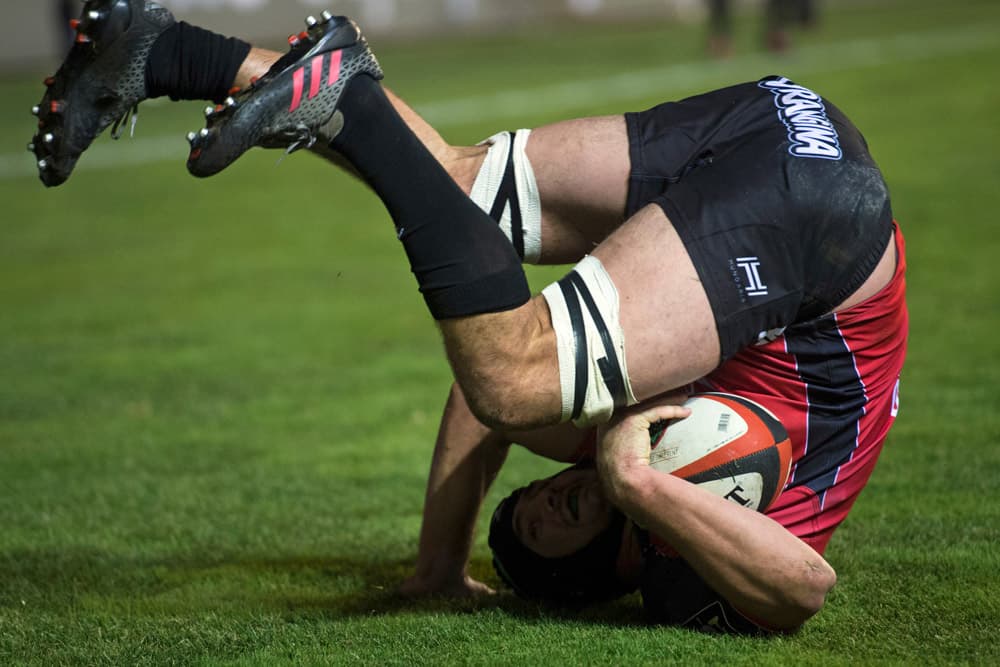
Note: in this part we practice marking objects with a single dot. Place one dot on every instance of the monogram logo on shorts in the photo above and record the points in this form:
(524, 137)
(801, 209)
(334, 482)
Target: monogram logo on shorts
(753, 286)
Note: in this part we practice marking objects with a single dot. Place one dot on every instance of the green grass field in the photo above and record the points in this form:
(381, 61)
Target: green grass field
(218, 398)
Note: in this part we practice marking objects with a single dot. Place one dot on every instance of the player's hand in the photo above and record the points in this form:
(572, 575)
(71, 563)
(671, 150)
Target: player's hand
(456, 587)
(623, 445)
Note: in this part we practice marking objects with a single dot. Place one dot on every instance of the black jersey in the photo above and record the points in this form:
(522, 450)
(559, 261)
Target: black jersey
(775, 196)
(674, 594)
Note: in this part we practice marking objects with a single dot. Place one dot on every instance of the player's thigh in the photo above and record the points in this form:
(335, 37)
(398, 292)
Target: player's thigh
(669, 327)
(582, 169)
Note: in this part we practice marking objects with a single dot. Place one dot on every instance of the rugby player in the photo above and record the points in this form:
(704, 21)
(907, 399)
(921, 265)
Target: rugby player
(741, 240)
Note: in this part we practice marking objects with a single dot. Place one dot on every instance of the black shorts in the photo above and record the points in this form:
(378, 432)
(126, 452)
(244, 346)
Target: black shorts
(774, 195)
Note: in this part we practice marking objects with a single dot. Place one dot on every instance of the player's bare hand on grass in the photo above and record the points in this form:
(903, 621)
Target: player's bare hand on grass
(456, 587)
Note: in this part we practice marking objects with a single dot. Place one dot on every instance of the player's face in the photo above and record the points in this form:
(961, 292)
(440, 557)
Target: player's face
(560, 515)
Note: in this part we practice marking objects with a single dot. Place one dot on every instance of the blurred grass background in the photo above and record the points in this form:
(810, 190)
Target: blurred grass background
(219, 398)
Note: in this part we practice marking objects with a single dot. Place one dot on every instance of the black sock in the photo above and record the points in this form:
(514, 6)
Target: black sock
(191, 63)
(463, 262)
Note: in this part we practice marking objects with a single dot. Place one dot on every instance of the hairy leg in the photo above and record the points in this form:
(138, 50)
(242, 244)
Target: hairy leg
(508, 362)
(581, 167)
(506, 357)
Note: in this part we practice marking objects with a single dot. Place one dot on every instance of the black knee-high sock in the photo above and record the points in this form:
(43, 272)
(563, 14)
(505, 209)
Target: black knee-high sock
(190, 63)
(463, 262)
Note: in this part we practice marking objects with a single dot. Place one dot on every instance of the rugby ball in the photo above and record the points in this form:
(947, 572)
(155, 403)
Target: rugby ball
(729, 445)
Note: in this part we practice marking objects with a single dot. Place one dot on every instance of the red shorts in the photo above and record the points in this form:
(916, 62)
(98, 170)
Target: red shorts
(834, 384)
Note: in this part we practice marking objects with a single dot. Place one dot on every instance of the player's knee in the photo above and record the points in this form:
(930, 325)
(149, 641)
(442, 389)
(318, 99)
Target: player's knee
(505, 367)
(499, 396)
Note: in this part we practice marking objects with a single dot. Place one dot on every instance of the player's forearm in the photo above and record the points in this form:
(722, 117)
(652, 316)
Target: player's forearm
(467, 457)
(761, 568)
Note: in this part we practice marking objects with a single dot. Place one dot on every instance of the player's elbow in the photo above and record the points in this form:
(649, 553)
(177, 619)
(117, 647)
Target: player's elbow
(821, 583)
(805, 597)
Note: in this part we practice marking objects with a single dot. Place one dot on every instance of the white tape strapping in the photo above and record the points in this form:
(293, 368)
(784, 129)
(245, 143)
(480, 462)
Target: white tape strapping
(506, 189)
(591, 344)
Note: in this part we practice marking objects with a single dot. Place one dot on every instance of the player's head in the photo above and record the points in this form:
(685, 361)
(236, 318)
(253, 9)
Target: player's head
(558, 539)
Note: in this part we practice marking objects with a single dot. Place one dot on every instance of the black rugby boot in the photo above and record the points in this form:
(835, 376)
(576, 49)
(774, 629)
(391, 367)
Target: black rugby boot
(100, 83)
(294, 105)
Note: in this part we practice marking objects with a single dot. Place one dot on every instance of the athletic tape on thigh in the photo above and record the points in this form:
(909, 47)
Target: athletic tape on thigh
(506, 189)
(591, 344)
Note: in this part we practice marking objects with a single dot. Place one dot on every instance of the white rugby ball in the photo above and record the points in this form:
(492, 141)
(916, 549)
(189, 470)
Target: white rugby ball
(729, 445)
